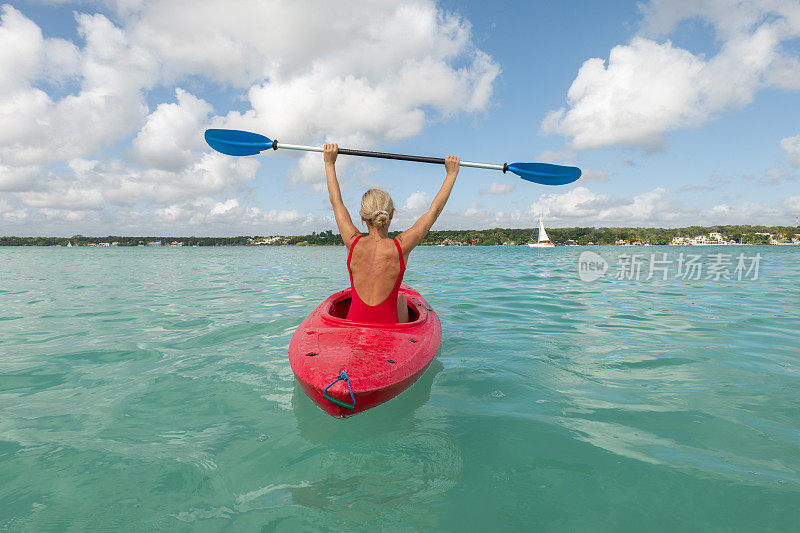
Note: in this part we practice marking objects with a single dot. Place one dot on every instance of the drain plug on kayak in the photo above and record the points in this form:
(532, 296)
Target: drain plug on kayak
(310, 354)
(413, 340)
(390, 361)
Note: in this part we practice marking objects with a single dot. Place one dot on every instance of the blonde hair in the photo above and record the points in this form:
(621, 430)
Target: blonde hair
(377, 207)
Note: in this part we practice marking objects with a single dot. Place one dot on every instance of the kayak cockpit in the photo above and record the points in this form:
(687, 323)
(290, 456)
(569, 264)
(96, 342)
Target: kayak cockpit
(339, 308)
(340, 305)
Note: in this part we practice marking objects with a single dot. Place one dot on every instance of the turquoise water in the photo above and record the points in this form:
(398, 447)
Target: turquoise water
(150, 389)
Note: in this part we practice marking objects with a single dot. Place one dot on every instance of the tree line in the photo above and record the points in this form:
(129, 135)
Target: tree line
(490, 237)
(81, 240)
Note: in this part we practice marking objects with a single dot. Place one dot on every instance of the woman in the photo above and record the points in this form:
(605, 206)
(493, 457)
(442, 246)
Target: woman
(376, 263)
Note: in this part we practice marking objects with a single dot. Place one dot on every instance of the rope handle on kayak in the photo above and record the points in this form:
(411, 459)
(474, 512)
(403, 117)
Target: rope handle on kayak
(340, 403)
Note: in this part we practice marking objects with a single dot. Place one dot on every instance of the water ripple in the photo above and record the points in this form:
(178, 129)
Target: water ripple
(150, 389)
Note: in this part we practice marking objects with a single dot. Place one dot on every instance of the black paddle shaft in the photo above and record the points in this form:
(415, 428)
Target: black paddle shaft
(386, 155)
(383, 155)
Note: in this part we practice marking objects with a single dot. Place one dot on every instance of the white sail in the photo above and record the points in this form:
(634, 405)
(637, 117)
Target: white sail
(544, 240)
(542, 233)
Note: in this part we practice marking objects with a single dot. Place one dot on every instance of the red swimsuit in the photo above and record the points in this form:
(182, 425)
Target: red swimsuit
(386, 311)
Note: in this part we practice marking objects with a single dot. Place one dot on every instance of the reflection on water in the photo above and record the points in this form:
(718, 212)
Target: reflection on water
(317, 427)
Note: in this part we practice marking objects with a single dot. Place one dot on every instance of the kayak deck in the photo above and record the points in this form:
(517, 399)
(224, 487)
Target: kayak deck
(379, 360)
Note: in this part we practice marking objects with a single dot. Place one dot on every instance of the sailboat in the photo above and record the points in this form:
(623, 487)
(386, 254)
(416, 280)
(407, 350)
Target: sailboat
(544, 240)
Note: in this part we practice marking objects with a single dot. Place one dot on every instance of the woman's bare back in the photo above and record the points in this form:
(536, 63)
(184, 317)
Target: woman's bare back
(375, 265)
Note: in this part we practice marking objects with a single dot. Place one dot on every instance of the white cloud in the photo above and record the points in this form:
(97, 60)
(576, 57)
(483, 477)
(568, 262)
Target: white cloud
(17, 178)
(721, 209)
(594, 175)
(747, 213)
(208, 214)
(648, 88)
(12, 215)
(358, 74)
(310, 170)
(569, 204)
(25, 56)
(325, 103)
(792, 205)
(581, 204)
(774, 175)
(248, 42)
(216, 216)
(171, 132)
(207, 211)
(583, 207)
(108, 106)
(791, 145)
(557, 157)
(199, 216)
(374, 74)
(417, 202)
(497, 188)
(474, 213)
(729, 18)
(94, 184)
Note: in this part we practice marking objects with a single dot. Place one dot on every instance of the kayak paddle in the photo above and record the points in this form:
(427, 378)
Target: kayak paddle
(237, 142)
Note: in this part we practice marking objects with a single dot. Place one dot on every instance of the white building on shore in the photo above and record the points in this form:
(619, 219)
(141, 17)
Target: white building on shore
(713, 238)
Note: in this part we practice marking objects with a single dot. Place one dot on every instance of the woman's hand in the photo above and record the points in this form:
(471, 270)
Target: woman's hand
(451, 165)
(330, 153)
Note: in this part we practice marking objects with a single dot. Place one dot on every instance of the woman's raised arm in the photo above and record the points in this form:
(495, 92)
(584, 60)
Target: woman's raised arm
(414, 235)
(347, 229)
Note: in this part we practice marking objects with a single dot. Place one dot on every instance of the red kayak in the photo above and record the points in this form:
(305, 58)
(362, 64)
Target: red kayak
(347, 367)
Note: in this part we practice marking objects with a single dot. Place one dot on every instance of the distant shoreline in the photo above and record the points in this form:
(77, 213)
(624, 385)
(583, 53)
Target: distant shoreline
(691, 235)
(425, 245)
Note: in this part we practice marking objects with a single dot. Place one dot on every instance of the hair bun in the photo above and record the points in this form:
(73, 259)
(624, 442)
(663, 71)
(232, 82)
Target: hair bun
(380, 217)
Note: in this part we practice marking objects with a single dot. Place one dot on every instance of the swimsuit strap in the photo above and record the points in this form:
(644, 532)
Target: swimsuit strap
(349, 255)
(402, 268)
(400, 253)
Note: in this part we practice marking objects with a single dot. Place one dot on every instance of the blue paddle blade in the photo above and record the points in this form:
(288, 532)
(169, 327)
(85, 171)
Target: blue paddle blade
(237, 142)
(545, 173)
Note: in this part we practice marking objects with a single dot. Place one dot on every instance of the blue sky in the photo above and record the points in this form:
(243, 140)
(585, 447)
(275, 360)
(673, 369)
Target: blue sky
(678, 112)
